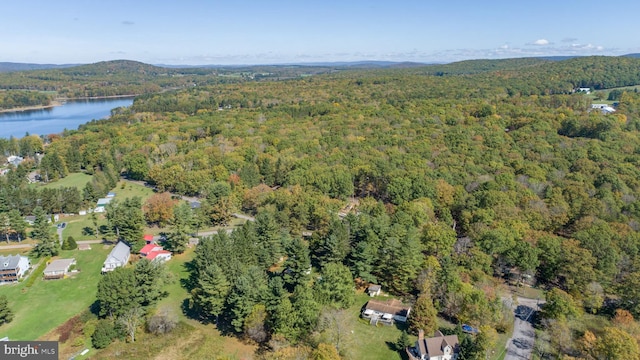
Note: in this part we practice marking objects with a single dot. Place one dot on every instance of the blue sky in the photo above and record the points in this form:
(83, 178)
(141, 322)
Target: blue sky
(271, 32)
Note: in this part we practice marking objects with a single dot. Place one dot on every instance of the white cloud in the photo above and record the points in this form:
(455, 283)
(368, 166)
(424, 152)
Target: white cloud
(540, 42)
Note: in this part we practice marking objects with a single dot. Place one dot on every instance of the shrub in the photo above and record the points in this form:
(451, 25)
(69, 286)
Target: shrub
(104, 334)
(161, 323)
(69, 244)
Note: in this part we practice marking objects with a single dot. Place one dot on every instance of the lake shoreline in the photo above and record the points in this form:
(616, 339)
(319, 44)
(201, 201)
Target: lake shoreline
(53, 104)
(62, 101)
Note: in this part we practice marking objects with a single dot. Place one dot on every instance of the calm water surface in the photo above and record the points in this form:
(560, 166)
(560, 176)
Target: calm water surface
(55, 120)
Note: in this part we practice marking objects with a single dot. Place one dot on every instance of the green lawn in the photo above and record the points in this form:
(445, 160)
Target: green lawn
(371, 342)
(78, 180)
(126, 189)
(177, 293)
(49, 303)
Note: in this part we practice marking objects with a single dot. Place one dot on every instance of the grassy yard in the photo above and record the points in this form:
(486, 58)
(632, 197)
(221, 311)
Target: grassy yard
(128, 189)
(49, 303)
(190, 340)
(372, 342)
(78, 180)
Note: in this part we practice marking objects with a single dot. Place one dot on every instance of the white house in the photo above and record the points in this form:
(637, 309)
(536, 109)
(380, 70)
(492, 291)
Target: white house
(604, 108)
(155, 252)
(13, 267)
(119, 256)
(438, 347)
(386, 312)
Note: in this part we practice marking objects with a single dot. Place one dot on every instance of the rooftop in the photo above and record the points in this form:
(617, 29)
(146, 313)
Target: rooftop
(59, 265)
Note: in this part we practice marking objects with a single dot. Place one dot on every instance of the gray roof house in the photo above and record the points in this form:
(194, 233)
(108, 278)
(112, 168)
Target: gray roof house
(57, 269)
(119, 256)
(438, 347)
(13, 267)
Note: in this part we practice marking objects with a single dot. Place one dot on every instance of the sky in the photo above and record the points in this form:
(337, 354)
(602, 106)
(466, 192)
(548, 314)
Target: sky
(190, 32)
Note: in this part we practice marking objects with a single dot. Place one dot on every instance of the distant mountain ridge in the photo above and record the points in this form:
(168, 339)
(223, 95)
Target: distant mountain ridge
(12, 66)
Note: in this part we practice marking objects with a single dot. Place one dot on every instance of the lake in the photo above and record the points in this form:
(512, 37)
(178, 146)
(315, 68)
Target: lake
(54, 120)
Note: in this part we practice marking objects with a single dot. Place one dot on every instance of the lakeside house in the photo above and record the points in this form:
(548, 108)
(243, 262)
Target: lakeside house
(119, 256)
(13, 268)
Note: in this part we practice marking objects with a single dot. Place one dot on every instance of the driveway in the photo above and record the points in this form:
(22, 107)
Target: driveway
(520, 346)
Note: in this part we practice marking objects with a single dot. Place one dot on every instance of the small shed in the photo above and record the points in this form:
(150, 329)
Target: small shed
(148, 239)
(57, 269)
(102, 202)
(374, 290)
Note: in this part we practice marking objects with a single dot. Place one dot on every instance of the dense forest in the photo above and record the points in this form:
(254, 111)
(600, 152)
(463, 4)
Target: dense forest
(452, 177)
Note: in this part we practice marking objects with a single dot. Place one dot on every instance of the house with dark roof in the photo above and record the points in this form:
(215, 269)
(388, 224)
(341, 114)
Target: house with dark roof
(385, 312)
(13, 267)
(119, 256)
(438, 347)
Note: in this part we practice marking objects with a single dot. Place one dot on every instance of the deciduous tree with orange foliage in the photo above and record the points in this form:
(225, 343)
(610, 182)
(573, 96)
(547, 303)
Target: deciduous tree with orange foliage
(158, 209)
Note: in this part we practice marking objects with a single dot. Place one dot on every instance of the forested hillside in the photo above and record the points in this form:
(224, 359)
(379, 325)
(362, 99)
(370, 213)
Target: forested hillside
(459, 177)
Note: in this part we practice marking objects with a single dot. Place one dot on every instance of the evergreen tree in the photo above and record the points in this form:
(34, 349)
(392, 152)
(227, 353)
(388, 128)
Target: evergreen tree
(306, 308)
(403, 341)
(150, 276)
(269, 238)
(18, 224)
(69, 244)
(46, 246)
(248, 290)
(210, 293)
(423, 315)
(179, 237)
(118, 291)
(336, 286)
(127, 221)
(6, 314)
(298, 265)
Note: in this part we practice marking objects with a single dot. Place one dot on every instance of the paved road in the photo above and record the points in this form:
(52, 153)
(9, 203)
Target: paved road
(520, 346)
(15, 246)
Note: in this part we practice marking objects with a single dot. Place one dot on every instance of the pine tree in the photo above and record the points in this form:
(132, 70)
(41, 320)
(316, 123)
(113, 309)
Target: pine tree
(210, 293)
(179, 237)
(403, 341)
(46, 246)
(6, 314)
(423, 315)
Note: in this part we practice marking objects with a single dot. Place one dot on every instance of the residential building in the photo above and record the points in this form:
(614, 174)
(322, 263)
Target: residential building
(155, 252)
(13, 267)
(386, 312)
(438, 347)
(57, 269)
(119, 256)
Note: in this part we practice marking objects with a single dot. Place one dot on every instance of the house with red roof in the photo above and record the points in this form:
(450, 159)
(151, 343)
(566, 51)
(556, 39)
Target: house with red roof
(155, 252)
(148, 239)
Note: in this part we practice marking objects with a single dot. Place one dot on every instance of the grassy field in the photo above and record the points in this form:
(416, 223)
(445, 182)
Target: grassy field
(191, 340)
(78, 180)
(49, 303)
(127, 189)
